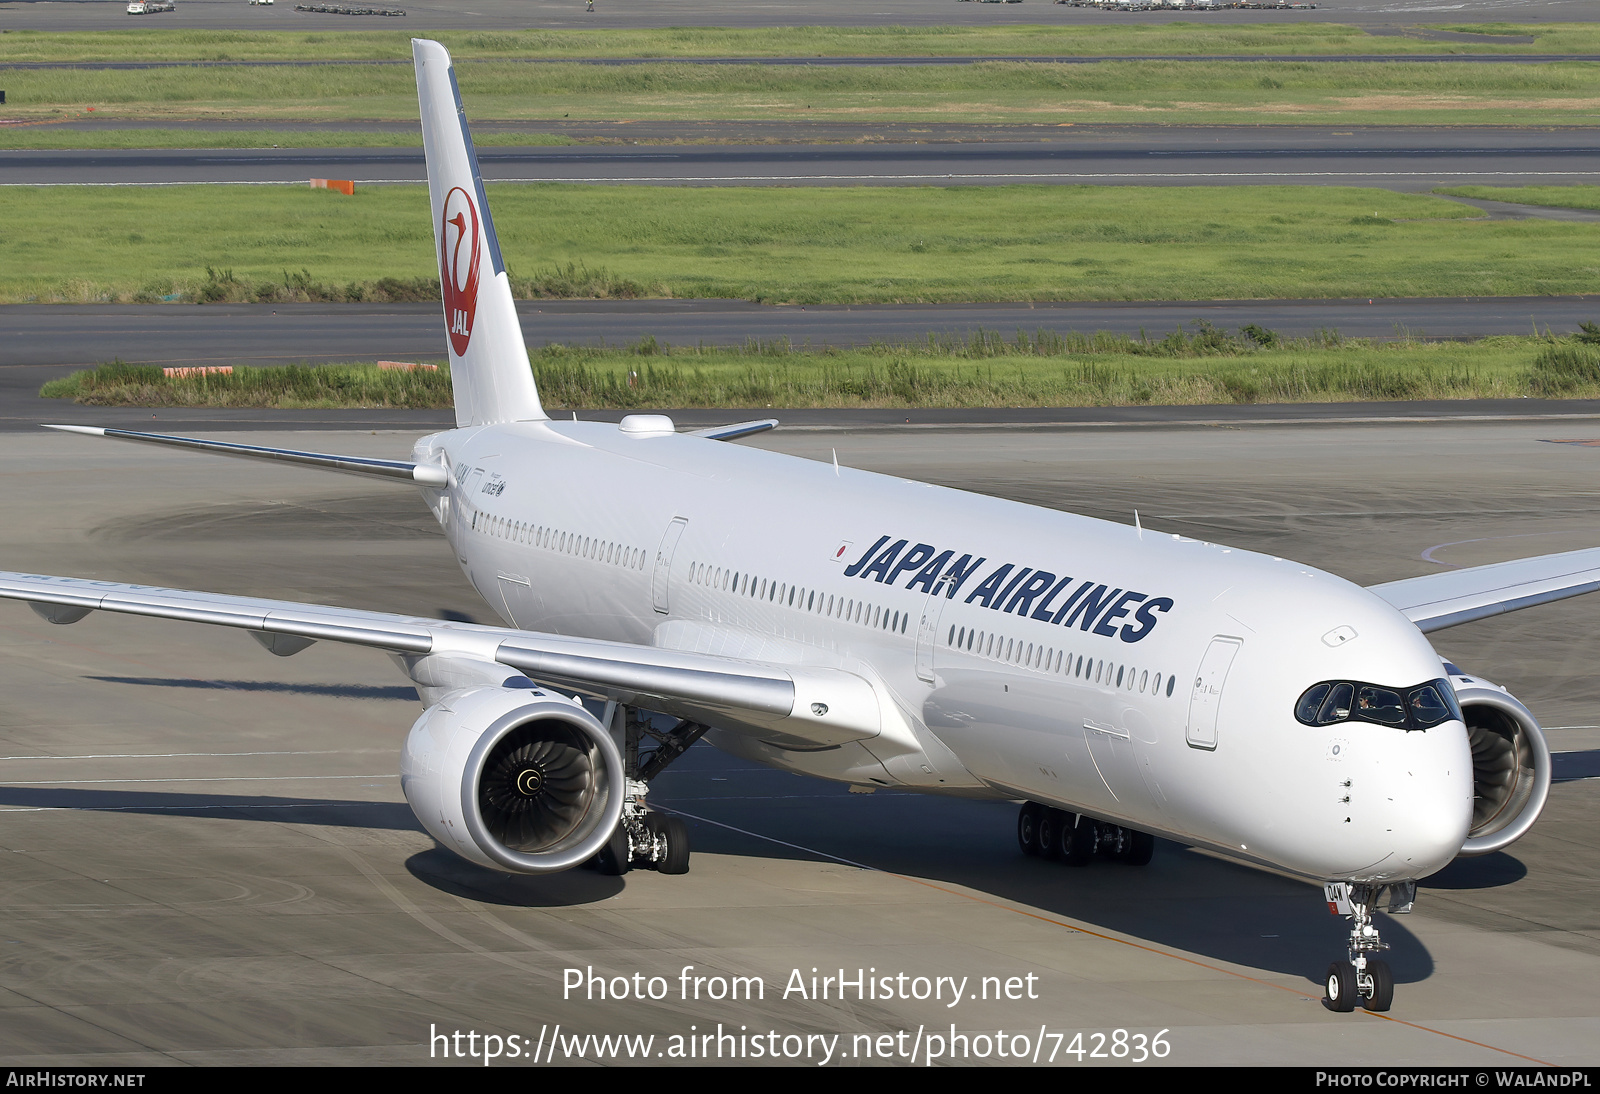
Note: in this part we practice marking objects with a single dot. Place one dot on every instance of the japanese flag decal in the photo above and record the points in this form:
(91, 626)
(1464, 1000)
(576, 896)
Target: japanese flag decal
(459, 256)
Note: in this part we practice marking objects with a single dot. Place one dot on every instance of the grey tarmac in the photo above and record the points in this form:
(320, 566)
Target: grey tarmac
(1403, 158)
(41, 341)
(205, 857)
(1379, 16)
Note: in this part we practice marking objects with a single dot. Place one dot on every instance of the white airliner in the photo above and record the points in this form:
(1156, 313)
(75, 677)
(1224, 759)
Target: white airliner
(661, 586)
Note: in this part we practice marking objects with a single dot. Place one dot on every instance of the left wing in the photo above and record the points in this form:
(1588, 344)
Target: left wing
(793, 706)
(1436, 601)
(420, 473)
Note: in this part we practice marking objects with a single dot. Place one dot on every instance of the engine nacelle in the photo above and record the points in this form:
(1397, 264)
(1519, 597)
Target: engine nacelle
(1510, 765)
(517, 779)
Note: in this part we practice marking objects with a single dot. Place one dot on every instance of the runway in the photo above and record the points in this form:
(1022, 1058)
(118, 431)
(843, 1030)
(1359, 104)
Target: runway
(205, 858)
(821, 61)
(1415, 159)
(1377, 15)
(41, 341)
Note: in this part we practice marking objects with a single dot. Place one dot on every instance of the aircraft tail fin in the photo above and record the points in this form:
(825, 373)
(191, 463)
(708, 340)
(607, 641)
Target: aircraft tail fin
(488, 358)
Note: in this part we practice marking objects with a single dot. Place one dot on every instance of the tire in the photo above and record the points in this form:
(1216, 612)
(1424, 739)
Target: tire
(1340, 987)
(1051, 824)
(614, 858)
(1141, 846)
(1076, 843)
(676, 860)
(1028, 828)
(1382, 987)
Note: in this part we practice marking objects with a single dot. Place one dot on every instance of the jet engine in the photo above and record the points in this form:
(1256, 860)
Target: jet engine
(514, 778)
(1510, 764)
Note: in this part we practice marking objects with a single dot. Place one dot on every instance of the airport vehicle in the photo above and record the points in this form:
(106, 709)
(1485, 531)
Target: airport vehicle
(150, 7)
(662, 587)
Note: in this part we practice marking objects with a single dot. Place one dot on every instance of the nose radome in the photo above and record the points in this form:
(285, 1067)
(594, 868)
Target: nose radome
(1425, 796)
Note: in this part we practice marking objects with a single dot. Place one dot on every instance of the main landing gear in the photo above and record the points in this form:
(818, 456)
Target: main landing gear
(1074, 839)
(1363, 978)
(644, 838)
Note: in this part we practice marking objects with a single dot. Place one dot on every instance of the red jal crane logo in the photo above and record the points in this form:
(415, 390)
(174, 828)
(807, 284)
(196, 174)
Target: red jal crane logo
(458, 266)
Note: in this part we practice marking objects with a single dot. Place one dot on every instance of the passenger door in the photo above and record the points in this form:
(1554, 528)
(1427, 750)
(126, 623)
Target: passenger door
(663, 571)
(1205, 700)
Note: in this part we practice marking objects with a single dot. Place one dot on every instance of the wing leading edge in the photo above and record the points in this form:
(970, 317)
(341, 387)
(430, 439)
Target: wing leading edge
(794, 706)
(404, 470)
(1436, 601)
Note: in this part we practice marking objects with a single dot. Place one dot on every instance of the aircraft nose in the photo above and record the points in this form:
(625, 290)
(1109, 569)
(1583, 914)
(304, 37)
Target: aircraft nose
(1427, 802)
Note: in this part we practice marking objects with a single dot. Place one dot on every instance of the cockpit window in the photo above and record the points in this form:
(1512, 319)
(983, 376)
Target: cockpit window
(1337, 708)
(1310, 703)
(1428, 708)
(1421, 707)
(1380, 705)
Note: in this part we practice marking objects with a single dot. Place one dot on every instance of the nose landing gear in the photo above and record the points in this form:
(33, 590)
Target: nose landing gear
(1363, 978)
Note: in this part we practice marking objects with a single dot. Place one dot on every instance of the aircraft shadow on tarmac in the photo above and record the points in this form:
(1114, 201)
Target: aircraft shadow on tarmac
(1185, 900)
(452, 874)
(326, 812)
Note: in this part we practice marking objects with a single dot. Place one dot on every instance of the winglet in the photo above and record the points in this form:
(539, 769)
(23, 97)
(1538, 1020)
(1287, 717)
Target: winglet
(488, 359)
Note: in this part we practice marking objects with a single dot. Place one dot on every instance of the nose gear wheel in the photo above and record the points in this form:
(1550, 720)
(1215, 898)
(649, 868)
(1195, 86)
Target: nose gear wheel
(1364, 978)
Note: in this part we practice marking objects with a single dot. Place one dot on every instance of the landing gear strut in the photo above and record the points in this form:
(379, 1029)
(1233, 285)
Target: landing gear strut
(1074, 839)
(642, 837)
(1363, 977)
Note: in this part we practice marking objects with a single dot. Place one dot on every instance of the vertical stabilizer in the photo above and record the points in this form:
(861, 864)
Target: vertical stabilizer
(488, 359)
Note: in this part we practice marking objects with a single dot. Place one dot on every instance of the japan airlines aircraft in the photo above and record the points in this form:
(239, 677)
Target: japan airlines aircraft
(664, 586)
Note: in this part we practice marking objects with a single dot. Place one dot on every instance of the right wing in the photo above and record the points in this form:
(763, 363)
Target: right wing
(1436, 601)
(792, 706)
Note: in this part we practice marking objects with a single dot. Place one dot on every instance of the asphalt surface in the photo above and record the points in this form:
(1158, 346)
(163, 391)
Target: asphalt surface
(859, 62)
(39, 342)
(1393, 16)
(206, 858)
(1402, 158)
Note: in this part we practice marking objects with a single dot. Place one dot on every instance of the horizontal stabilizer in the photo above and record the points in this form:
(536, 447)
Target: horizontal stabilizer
(405, 470)
(1436, 601)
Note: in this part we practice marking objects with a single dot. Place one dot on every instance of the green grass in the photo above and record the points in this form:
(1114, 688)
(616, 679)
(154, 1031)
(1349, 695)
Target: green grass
(1199, 366)
(790, 245)
(1558, 197)
(160, 44)
(44, 136)
(297, 386)
(1368, 93)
